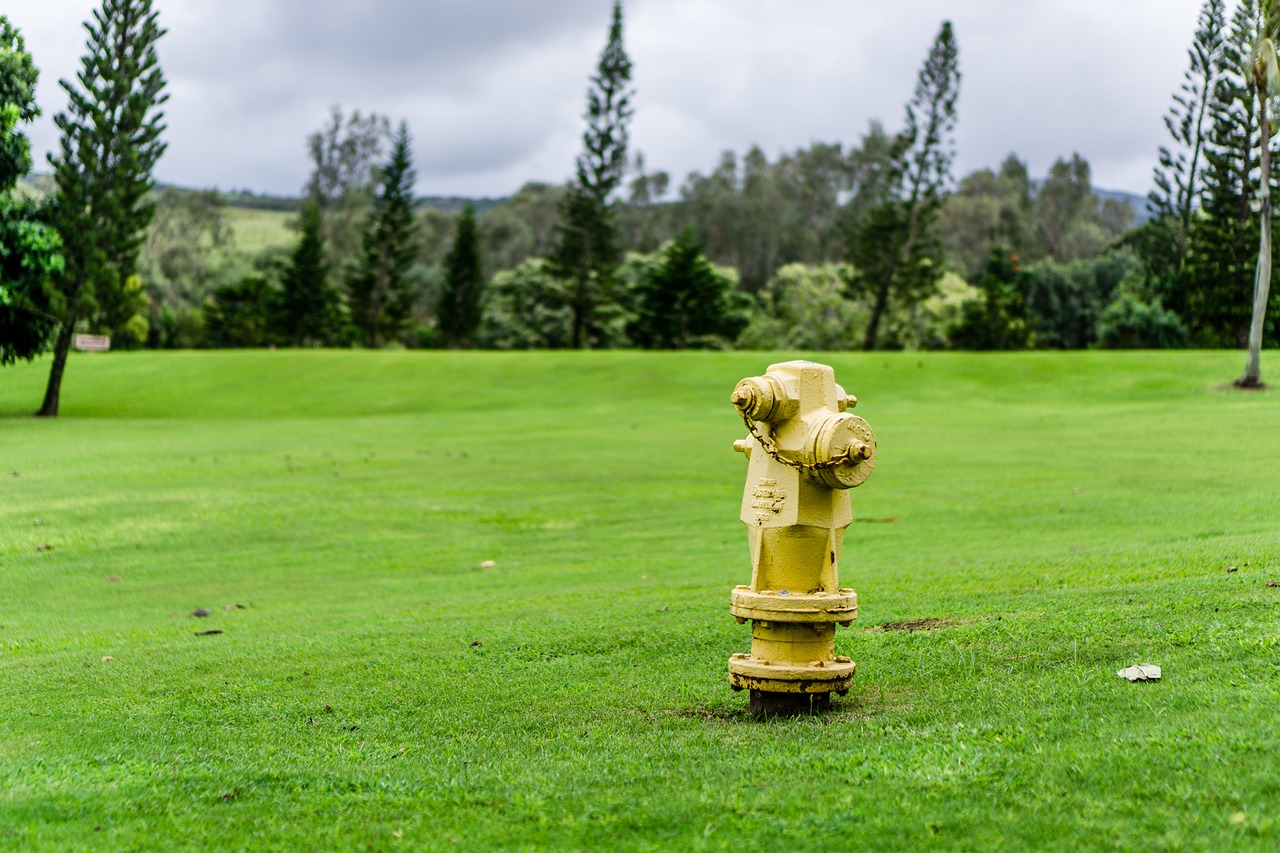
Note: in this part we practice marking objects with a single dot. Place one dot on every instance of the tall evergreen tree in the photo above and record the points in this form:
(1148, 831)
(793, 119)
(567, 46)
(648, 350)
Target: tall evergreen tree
(309, 310)
(461, 302)
(587, 252)
(379, 290)
(1212, 296)
(685, 302)
(1179, 176)
(110, 144)
(894, 247)
(30, 250)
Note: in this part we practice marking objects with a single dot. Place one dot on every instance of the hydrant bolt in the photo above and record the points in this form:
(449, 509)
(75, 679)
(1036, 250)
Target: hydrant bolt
(796, 509)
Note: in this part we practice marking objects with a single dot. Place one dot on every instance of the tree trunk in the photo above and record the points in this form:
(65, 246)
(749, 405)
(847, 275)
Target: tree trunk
(1252, 377)
(877, 311)
(52, 391)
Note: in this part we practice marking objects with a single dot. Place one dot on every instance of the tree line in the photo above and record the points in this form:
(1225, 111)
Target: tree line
(871, 244)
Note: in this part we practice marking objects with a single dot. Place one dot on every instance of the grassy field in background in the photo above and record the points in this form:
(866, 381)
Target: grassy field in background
(255, 230)
(377, 683)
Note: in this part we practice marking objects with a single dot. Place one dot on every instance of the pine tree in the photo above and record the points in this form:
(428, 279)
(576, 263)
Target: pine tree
(1179, 177)
(686, 302)
(309, 311)
(1212, 296)
(894, 247)
(461, 301)
(379, 290)
(110, 144)
(587, 253)
(30, 249)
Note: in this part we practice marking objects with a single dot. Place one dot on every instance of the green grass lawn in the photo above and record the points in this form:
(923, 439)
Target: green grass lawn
(383, 686)
(253, 231)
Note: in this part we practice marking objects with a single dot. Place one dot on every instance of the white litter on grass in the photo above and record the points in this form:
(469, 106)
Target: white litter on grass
(1140, 672)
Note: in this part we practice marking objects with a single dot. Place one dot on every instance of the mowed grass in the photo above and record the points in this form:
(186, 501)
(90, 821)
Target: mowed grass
(384, 686)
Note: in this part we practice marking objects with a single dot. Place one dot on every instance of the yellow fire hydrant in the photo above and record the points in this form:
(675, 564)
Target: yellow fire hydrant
(805, 453)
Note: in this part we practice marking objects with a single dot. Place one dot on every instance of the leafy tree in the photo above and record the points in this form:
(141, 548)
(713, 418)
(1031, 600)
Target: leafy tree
(242, 314)
(642, 217)
(461, 303)
(997, 320)
(587, 253)
(1129, 323)
(30, 249)
(110, 144)
(527, 308)
(1179, 176)
(685, 303)
(1264, 71)
(1067, 211)
(894, 247)
(310, 314)
(344, 157)
(804, 308)
(1062, 302)
(813, 181)
(988, 210)
(379, 289)
(522, 226)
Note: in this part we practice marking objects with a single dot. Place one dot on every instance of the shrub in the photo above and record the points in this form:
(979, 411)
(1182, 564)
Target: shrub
(1129, 323)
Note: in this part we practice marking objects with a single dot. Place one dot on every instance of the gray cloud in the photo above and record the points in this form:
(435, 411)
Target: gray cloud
(493, 90)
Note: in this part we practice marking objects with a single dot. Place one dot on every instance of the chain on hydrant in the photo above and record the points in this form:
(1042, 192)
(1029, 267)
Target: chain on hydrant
(805, 454)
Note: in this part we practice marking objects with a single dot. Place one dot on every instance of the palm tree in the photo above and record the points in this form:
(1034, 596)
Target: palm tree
(1265, 73)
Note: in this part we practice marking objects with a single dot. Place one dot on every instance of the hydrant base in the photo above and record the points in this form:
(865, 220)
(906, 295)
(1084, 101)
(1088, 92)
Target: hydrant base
(765, 705)
(747, 673)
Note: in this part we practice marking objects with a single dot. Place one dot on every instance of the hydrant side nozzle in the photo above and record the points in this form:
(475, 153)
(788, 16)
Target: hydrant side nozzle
(743, 446)
(763, 398)
(858, 451)
(844, 401)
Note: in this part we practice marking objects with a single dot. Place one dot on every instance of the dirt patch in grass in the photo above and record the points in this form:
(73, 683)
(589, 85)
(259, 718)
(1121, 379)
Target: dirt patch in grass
(915, 625)
(701, 713)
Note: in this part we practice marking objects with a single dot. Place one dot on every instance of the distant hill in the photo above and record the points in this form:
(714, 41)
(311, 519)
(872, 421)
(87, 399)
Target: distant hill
(41, 183)
(1141, 207)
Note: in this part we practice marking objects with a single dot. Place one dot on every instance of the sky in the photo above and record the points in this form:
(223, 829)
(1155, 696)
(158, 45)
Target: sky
(494, 90)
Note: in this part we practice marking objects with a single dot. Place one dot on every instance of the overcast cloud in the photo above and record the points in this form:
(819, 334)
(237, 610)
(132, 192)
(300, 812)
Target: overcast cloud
(493, 90)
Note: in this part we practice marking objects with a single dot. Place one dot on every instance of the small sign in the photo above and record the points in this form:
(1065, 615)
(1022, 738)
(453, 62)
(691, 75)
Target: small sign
(92, 343)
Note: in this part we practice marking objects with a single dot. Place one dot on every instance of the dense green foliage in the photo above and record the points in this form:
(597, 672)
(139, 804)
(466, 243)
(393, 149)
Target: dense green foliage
(684, 302)
(1128, 323)
(30, 250)
(384, 686)
(998, 320)
(243, 314)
